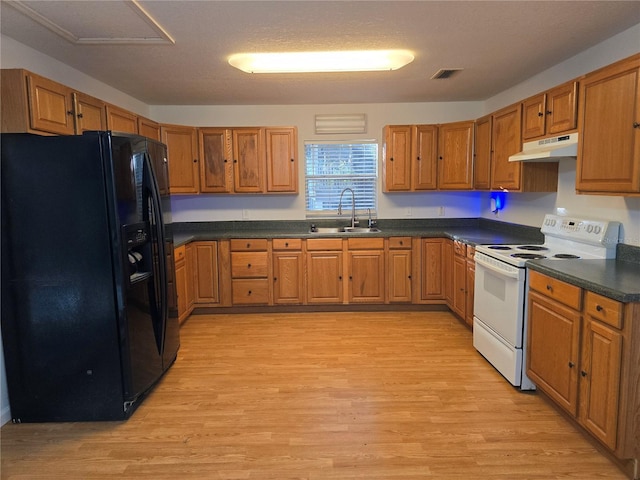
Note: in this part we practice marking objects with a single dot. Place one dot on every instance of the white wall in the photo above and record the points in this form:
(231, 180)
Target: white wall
(520, 208)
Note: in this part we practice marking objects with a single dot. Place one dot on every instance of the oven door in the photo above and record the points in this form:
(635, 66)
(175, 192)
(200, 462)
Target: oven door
(499, 298)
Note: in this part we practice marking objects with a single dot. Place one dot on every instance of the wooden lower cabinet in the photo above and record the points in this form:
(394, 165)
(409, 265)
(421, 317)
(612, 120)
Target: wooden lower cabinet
(183, 282)
(250, 272)
(288, 272)
(471, 282)
(399, 265)
(365, 266)
(324, 271)
(206, 289)
(584, 354)
(428, 268)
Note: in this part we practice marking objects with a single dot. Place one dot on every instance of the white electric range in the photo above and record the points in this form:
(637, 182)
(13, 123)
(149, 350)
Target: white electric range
(499, 324)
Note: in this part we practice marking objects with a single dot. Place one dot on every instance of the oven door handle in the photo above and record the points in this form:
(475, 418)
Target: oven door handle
(504, 273)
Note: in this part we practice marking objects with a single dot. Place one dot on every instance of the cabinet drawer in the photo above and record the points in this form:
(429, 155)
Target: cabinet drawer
(558, 290)
(399, 242)
(249, 245)
(180, 253)
(287, 243)
(604, 309)
(366, 243)
(249, 264)
(324, 244)
(249, 291)
(459, 248)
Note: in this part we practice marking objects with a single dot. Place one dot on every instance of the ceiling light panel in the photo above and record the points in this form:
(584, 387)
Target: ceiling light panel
(334, 61)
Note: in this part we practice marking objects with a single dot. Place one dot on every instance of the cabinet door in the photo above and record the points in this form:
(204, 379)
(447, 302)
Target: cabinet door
(182, 153)
(149, 128)
(554, 337)
(609, 125)
(399, 277)
(397, 158)
(248, 161)
(431, 275)
(447, 271)
(506, 141)
(482, 156)
(460, 286)
(533, 117)
(181, 289)
(471, 276)
(600, 381)
(50, 106)
(90, 113)
(366, 276)
(455, 156)
(424, 152)
(206, 284)
(191, 273)
(282, 164)
(561, 108)
(288, 278)
(216, 162)
(324, 277)
(119, 120)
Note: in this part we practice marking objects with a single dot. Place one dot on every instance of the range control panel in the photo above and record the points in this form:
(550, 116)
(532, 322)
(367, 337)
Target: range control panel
(596, 232)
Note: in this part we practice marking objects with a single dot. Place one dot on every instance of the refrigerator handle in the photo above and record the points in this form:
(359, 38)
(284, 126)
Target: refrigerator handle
(158, 235)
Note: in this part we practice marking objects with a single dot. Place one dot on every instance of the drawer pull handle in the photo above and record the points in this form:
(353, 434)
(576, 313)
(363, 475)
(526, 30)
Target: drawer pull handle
(286, 244)
(248, 245)
(571, 364)
(248, 265)
(599, 308)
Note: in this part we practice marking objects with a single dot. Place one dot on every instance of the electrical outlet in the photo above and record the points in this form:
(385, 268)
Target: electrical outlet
(245, 214)
(441, 211)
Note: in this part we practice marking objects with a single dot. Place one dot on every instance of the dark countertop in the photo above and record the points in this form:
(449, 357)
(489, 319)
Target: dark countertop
(472, 231)
(616, 279)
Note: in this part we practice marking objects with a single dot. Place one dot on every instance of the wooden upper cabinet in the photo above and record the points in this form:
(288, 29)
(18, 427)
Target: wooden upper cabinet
(482, 154)
(517, 176)
(397, 158)
(149, 128)
(550, 113)
(90, 113)
(51, 106)
(455, 156)
(282, 159)
(248, 160)
(182, 150)
(34, 104)
(424, 153)
(120, 120)
(609, 125)
(216, 161)
(506, 141)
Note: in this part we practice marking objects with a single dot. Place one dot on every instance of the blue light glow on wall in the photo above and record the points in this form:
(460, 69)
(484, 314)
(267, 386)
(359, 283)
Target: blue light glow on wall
(497, 201)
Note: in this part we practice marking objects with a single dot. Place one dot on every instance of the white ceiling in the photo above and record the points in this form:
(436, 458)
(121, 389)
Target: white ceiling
(497, 43)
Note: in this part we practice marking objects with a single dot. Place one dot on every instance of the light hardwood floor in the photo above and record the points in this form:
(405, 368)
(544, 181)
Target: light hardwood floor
(318, 396)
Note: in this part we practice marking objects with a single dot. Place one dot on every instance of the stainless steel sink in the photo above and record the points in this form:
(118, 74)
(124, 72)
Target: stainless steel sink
(326, 230)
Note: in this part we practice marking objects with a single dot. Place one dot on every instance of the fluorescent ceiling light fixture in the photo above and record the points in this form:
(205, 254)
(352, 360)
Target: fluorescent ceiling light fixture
(338, 61)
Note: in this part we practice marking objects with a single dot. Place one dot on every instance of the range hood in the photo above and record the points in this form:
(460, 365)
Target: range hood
(549, 149)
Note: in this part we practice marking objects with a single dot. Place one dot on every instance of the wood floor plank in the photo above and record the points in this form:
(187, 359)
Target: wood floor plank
(318, 396)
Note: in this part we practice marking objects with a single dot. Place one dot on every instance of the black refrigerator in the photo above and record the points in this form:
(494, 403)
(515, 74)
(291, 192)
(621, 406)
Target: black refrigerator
(89, 321)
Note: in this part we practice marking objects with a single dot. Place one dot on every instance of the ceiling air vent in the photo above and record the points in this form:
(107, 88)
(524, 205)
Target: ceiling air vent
(445, 73)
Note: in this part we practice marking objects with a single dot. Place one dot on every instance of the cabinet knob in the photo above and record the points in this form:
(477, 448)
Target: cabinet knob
(80, 115)
(418, 158)
(195, 160)
(339, 277)
(292, 160)
(571, 364)
(248, 245)
(69, 112)
(249, 293)
(391, 159)
(549, 287)
(540, 114)
(224, 161)
(286, 244)
(409, 277)
(599, 308)
(248, 265)
(549, 112)
(583, 373)
(440, 158)
(275, 279)
(350, 277)
(636, 125)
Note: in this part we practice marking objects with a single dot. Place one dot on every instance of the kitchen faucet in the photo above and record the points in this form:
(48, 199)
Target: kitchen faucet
(353, 206)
